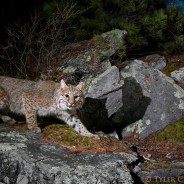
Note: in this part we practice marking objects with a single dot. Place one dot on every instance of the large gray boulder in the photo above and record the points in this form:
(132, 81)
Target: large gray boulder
(90, 58)
(164, 100)
(25, 159)
(103, 99)
(139, 99)
(107, 86)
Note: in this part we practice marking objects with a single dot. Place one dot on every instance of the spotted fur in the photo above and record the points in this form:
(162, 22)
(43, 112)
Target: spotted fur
(43, 98)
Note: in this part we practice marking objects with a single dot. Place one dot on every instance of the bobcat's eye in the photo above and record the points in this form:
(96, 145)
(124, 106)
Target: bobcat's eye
(66, 95)
(75, 97)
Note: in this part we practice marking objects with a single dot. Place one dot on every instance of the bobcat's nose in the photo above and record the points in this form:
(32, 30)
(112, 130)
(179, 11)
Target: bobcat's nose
(71, 103)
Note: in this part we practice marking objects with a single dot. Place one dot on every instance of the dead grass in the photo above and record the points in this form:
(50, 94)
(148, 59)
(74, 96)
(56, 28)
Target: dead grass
(164, 145)
(174, 63)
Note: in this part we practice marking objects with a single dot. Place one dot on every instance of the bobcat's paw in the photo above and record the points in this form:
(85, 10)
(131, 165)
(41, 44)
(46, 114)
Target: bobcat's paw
(95, 137)
(36, 130)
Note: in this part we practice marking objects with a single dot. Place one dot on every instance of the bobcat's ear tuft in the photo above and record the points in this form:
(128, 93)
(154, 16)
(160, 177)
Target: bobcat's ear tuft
(80, 86)
(63, 84)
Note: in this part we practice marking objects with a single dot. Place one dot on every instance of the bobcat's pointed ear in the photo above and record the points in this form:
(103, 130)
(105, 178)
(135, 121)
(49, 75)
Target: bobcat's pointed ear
(63, 84)
(80, 86)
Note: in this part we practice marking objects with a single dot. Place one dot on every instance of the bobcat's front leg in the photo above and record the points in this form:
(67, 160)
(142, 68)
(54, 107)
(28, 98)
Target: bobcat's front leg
(31, 116)
(77, 125)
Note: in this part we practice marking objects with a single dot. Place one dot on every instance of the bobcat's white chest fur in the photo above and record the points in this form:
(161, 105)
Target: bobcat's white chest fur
(43, 98)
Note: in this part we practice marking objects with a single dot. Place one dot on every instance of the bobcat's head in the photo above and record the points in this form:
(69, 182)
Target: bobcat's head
(70, 97)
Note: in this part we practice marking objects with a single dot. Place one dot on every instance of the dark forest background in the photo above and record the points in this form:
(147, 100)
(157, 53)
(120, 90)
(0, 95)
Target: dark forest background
(29, 30)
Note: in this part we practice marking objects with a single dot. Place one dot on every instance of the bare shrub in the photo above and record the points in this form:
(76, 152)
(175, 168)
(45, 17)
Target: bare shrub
(32, 49)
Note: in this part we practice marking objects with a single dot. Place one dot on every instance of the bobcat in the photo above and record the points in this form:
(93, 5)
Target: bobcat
(43, 98)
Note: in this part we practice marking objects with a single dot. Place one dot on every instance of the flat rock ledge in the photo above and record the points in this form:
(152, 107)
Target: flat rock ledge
(25, 159)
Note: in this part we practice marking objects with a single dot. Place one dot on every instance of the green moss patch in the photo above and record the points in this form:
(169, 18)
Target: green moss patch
(173, 132)
(172, 67)
(67, 137)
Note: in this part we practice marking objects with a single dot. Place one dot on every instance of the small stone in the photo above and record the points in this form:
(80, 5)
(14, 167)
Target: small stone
(136, 169)
(169, 155)
(178, 75)
(156, 61)
(6, 180)
(7, 119)
(149, 155)
(178, 164)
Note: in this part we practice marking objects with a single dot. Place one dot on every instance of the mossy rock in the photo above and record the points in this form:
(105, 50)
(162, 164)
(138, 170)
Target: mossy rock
(65, 136)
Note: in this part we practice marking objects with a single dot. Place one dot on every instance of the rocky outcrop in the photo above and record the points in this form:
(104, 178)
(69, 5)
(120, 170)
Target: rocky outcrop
(90, 57)
(139, 99)
(25, 159)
